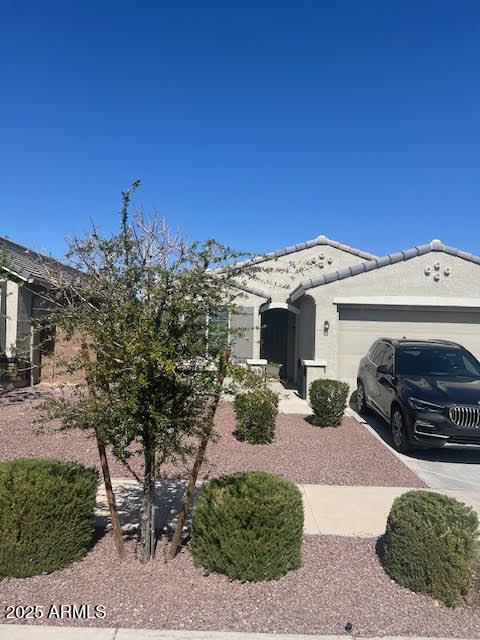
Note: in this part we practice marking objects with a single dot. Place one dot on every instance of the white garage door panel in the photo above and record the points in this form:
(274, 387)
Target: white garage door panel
(358, 328)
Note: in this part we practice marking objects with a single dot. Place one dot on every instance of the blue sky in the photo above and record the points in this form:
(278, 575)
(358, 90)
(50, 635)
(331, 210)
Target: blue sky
(260, 123)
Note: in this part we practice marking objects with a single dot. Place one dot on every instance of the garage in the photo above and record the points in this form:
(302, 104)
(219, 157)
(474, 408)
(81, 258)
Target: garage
(360, 325)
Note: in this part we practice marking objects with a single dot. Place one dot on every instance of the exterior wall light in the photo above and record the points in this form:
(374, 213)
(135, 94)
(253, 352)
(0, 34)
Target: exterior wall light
(326, 327)
(436, 266)
(447, 271)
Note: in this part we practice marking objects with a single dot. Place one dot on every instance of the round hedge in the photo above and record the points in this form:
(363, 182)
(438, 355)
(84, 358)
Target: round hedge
(430, 545)
(328, 399)
(46, 515)
(248, 526)
(255, 416)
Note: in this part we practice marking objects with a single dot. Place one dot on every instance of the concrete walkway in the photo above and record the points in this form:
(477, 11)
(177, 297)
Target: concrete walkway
(44, 632)
(289, 399)
(358, 511)
(329, 510)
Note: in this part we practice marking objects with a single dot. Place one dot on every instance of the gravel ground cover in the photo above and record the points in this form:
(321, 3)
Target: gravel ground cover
(303, 453)
(19, 437)
(346, 455)
(341, 581)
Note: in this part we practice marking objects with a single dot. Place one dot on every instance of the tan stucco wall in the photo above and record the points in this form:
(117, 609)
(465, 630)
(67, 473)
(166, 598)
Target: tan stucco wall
(400, 279)
(3, 314)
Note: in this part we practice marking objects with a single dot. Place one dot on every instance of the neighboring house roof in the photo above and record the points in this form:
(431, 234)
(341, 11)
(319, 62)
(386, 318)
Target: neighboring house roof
(301, 246)
(31, 266)
(377, 263)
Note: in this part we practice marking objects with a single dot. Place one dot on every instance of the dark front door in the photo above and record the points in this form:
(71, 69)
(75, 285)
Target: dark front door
(274, 338)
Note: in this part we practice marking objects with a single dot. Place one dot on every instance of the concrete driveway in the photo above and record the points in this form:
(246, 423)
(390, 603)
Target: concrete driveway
(451, 467)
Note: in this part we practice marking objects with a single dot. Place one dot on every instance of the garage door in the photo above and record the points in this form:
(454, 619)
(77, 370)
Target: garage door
(359, 327)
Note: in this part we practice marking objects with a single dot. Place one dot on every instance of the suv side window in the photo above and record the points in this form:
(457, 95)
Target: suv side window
(469, 366)
(373, 352)
(388, 357)
(378, 353)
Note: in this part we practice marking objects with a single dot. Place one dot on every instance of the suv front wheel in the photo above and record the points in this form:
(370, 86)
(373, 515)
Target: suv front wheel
(399, 431)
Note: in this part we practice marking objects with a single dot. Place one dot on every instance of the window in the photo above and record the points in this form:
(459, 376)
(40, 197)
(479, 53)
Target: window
(469, 365)
(373, 351)
(437, 361)
(378, 352)
(217, 334)
(387, 358)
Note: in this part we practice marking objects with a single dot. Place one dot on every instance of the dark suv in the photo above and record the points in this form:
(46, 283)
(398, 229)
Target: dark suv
(428, 390)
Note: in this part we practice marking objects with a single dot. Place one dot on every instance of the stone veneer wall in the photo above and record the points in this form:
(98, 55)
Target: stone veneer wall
(53, 370)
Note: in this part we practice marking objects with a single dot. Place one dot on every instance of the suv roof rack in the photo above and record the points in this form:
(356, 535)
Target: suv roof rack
(396, 341)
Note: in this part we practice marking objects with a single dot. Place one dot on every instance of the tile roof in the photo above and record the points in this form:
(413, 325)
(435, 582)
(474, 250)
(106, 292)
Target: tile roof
(29, 265)
(377, 263)
(300, 246)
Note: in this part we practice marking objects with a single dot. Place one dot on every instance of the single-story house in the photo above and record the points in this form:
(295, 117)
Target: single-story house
(23, 284)
(322, 304)
(314, 308)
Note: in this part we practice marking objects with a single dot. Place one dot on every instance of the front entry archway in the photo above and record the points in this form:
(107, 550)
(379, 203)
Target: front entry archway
(277, 340)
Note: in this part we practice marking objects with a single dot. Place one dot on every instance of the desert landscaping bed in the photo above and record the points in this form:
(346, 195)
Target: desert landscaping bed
(346, 455)
(341, 581)
(303, 453)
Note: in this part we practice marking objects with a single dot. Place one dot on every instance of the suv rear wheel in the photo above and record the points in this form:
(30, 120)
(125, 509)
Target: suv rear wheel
(399, 431)
(361, 400)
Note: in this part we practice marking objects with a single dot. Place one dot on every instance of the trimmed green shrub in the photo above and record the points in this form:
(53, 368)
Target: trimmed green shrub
(248, 526)
(430, 545)
(255, 415)
(328, 399)
(46, 515)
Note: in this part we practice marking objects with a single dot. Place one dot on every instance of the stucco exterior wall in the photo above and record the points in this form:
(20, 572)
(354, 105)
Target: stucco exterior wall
(11, 312)
(306, 324)
(401, 279)
(3, 312)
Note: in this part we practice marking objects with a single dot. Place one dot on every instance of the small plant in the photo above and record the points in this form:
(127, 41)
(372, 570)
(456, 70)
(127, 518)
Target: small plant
(273, 370)
(46, 515)
(255, 415)
(430, 545)
(248, 526)
(328, 399)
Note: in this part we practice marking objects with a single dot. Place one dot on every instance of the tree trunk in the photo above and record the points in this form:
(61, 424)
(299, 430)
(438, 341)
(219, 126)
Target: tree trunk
(197, 465)
(112, 506)
(147, 533)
